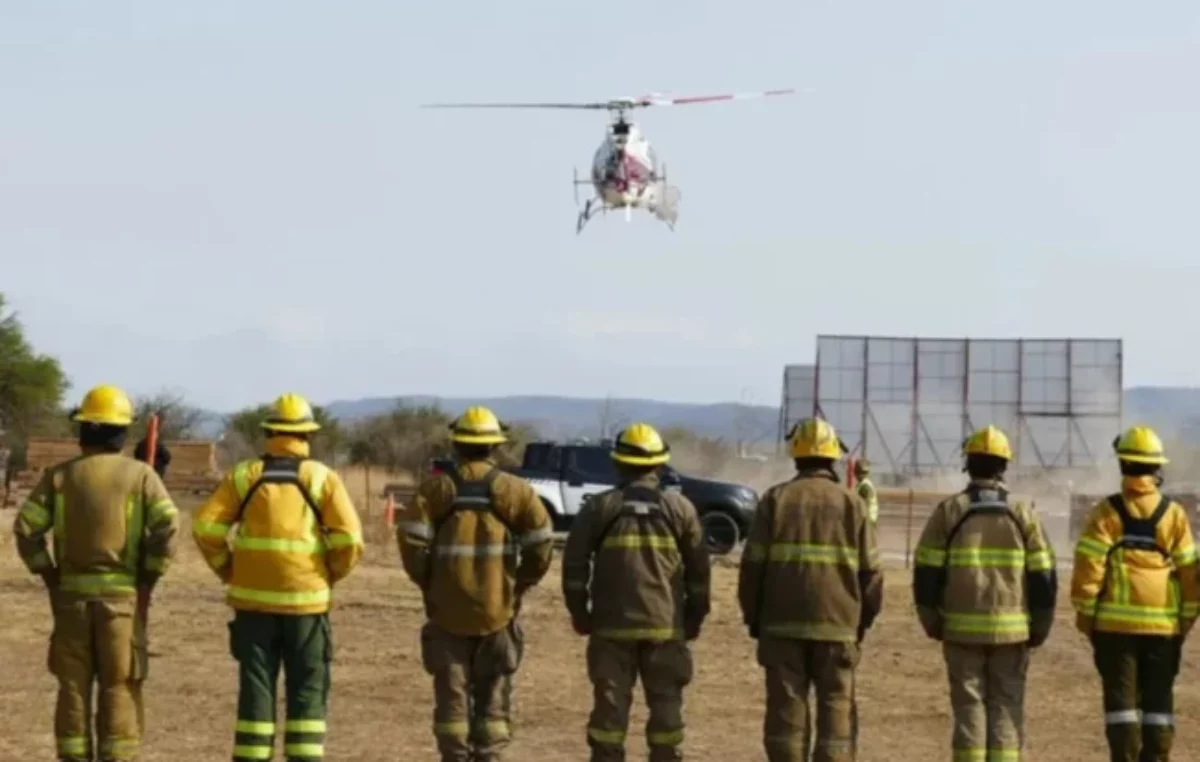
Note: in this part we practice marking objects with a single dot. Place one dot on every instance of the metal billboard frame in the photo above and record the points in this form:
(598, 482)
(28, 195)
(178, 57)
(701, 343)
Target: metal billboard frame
(798, 398)
(907, 403)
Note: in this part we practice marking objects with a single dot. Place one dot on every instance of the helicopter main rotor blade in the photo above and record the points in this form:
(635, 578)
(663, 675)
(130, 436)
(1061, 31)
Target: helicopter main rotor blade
(592, 106)
(688, 100)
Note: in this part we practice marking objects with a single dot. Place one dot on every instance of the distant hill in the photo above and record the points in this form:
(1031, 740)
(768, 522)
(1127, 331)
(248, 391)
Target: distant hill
(1174, 411)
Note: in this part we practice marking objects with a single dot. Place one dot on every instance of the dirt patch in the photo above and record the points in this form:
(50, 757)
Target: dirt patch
(381, 707)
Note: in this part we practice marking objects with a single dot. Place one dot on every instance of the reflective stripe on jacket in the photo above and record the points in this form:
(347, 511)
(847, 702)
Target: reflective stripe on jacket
(474, 555)
(113, 523)
(636, 564)
(995, 579)
(284, 558)
(1143, 592)
(811, 568)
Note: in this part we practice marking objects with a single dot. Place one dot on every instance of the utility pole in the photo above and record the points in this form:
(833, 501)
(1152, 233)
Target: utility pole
(605, 413)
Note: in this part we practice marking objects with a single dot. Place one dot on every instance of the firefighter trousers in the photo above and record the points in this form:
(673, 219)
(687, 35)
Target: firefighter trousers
(987, 696)
(302, 647)
(793, 667)
(614, 667)
(97, 642)
(1138, 673)
(472, 688)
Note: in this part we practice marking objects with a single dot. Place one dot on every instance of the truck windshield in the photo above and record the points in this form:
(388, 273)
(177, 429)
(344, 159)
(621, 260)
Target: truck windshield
(593, 463)
(543, 457)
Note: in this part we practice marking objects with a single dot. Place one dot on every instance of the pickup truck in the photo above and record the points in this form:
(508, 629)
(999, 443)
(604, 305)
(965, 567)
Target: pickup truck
(566, 475)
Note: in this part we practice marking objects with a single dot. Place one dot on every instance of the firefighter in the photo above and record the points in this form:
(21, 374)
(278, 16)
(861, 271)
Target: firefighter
(474, 539)
(1137, 596)
(162, 456)
(298, 536)
(114, 529)
(985, 586)
(636, 580)
(865, 488)
(810, 586)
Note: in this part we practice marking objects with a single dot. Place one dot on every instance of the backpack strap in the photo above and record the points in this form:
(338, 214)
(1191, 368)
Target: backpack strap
(1136, 534)
(643, 503)
(280, 470)
(1139, 534)
(987, 502)
(472, 495)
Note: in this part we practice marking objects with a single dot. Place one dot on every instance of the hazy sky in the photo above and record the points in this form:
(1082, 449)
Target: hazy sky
(232, 199)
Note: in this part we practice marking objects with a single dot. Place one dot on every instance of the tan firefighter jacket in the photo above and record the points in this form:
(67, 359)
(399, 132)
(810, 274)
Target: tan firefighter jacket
(113, 523)
(297, 533)
(811, 568)
(474, 541)
(636, 566)
(985, 572)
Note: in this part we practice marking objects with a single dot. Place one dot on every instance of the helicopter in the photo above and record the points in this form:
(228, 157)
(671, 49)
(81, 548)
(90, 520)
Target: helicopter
(626, 173)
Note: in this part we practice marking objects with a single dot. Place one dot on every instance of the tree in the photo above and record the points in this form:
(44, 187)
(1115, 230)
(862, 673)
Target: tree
(696, 452)
(511, 453)
(406, 438)
(176, 418)
(32, 385)
(401, 440)
(244, 434)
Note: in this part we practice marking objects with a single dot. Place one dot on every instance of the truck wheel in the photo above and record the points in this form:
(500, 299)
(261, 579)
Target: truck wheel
(721, 532)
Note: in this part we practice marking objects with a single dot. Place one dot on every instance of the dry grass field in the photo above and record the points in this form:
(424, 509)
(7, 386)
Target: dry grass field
(381, 701)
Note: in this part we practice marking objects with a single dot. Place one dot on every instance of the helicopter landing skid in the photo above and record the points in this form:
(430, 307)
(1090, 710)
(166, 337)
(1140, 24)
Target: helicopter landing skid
(584, 216)
(596, 206)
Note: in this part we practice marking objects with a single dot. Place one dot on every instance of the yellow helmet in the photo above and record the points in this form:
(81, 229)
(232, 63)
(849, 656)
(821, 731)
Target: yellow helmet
(1140, 445)
(478, 425)
(640, 445)
(104, 404)
(988, 441)
(815, 438)
(291, 414)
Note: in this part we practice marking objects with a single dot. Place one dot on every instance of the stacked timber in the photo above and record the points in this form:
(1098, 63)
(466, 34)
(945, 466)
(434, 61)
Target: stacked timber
(193, 467)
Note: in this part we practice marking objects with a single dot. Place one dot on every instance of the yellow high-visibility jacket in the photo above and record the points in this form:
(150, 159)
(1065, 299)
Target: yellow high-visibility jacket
(1137, 591)
(289, 550)
(113, 523)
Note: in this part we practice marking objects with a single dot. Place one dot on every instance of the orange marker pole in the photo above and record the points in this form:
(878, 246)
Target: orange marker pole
(389, 513)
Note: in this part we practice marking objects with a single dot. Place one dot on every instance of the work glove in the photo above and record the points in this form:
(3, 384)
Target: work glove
(754, 629)
(50, 578)
(691, 629)
(582, 625)
(933, 626)
(1039, 630)
(1185, 627)
(862, 633)
(1084, 623)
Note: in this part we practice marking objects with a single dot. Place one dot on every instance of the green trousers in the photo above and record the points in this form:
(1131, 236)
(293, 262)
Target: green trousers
(1138, 672)
(301, 645)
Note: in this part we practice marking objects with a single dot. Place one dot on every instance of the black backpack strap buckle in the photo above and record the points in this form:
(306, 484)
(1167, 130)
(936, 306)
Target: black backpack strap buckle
(473, 495)
(987, 501)
(643, 503)
(1139, 534)
(277, 469)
